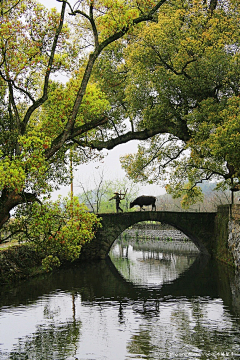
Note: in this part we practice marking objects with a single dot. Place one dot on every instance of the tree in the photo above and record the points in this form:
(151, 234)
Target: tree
(35, 44)
(175, 75)
(93, 198)
(57, 230)
(179, 84)
(124, 186)
(97, 199)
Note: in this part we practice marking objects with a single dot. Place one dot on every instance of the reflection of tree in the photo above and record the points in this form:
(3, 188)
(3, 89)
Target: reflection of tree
(123, 263)
(217, 337)
(166, 266)
(210, 339)
(170, 321)
(54, 342)
(183, 330)
(141, 343)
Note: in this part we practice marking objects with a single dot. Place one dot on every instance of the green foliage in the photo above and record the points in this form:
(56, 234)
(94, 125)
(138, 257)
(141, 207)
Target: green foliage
(26, 35)
(41, 119)
(18, 262)
(98, 198)
(224, 142)
(56, 229)
(182, 79)
(190, 194)
(50, 262)
(57, 109)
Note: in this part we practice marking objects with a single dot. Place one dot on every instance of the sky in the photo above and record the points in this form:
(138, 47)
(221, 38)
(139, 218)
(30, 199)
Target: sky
(110, 165)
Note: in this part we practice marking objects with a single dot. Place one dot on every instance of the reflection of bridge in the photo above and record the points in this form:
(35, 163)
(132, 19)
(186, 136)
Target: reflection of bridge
(199, 227)
(100, 281)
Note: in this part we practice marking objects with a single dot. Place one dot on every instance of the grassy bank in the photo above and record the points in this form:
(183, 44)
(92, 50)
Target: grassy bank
(18, 262)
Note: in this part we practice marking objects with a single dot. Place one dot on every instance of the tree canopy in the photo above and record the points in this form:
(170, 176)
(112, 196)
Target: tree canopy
(158, 70)
(177, 82)
(40, 117)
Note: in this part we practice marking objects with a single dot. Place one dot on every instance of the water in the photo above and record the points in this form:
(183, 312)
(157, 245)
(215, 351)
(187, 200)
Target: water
(141, 304)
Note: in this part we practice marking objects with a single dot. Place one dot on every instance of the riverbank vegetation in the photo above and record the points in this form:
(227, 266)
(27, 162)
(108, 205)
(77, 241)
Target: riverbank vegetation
(55, 231)
(19, 262)
(211, 199)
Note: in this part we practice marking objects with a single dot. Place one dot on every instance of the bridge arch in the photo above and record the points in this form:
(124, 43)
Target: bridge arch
(199, 227)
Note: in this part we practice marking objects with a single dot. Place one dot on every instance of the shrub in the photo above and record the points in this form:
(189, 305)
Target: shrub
(57, 230)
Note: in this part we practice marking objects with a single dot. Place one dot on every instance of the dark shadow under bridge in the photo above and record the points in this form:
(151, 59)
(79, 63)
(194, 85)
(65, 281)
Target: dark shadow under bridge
(199, 227)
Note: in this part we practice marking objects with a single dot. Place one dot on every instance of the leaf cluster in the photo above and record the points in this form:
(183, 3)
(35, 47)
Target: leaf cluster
(182, 81)
(57, 230)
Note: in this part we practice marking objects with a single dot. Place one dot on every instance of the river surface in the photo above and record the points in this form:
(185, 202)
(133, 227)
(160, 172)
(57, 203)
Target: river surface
(138, 304)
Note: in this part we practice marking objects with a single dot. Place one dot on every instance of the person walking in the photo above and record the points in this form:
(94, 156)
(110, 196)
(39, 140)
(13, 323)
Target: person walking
(118, 197)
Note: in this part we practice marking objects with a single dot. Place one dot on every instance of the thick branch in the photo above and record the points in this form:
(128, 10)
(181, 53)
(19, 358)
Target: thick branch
(69, 128)
(57, 143)
(40, 101)
(12, 102)
(9, 200)
(122, 139)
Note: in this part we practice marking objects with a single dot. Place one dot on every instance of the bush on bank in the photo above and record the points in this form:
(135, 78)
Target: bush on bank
(51, 234)
(19, 262)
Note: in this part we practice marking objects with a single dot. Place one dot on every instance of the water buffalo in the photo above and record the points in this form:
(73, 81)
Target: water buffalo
(144, 200)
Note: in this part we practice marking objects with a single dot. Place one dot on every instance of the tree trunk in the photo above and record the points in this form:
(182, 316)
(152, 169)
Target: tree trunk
(7, 202)
(10, 200)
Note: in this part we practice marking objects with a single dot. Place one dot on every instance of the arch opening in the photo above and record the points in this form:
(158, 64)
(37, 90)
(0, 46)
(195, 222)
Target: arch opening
(156, 235)
(146, 257)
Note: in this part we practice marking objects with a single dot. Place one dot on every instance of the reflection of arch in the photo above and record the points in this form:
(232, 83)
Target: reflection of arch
(101, 280)
(199, 227)
(182, 286)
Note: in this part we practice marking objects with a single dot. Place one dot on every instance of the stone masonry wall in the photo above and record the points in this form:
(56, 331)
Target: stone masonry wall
(159, 234)
(227, 234)
(234, 234)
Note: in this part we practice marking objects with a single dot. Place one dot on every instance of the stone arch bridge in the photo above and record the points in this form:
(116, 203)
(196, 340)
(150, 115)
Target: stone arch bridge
(199, 227)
